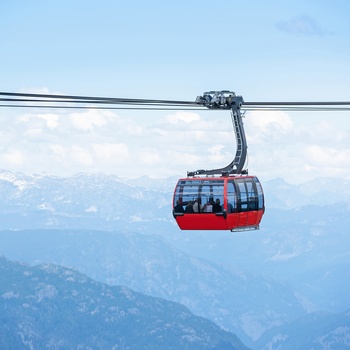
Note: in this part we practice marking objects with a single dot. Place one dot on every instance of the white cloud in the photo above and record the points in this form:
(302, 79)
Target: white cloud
(182, 158)
(327, 131)
(327, 156)
(134, 130)
(80, 155)
(279, 144)
(91, 209)
(88, 120)
(215, 154)
(111, 152)
(36, 90)
(51, 120)
(180, 117)
(311, 148)
(267, 125)
(150, 157)
(14, 157)
(33, 133)
(58, 150)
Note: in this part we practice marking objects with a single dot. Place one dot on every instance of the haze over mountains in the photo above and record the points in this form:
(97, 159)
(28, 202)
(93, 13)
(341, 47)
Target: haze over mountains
(254, 284)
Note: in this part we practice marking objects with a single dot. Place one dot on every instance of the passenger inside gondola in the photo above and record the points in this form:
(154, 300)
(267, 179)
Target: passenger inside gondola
(189, 207)
(197, 206)
(178, 207)
(208, 207)
(217, 208)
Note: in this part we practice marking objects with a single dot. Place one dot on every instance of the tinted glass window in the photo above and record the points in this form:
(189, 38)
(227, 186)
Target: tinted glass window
(231, 197)
(260, 194)
(205, 190)
(242, 195)
(252, 195)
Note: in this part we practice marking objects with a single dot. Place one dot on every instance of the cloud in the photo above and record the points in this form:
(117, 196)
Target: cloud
(87, 121)
(297, 147)
(183, 117)
(303, 25)
(42, 90)
(111, 152)
(14, 157)
(326, 131)
(32, 133)
(58, 150)
(51, 120)
(215, 154)
(80, 155)
(182, 158)
(150, 157)
(280, 144)
(37, 121)
(327, 156)
(267, 125)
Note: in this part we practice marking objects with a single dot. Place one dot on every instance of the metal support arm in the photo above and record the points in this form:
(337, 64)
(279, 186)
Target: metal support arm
(219, 100)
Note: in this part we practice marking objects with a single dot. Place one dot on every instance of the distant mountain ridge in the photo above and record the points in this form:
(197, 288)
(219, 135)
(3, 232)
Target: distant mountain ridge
(108, 202)
(99, 201)
(51, 307)
(320, 191)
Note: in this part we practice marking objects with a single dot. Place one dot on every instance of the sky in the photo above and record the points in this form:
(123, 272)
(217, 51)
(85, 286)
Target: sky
(175, 50)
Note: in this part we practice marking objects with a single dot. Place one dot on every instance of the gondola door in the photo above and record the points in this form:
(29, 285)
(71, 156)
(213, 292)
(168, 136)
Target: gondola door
(247, 202)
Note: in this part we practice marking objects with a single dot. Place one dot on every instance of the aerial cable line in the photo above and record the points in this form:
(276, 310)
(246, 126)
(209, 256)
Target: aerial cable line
(114, 100)
(31, 100)
(249, 109)
(107, 100)
(106, 107)
(85, 102)
(320, 103)
(296, 109)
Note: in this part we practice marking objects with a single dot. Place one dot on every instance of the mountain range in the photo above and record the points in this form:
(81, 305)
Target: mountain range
(108, 202)
(51, 307)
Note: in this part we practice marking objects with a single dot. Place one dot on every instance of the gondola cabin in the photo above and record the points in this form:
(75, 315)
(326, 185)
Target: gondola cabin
(233, 203)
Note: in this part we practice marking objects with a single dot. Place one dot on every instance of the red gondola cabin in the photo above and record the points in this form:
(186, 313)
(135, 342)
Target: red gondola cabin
(218, 203)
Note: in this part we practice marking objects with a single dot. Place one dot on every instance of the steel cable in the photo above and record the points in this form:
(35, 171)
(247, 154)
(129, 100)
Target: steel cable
(31, 100)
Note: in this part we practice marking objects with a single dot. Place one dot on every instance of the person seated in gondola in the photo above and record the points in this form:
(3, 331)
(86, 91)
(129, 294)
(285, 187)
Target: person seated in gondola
(189, 207)
(178, 207)
(217, 208)
(208, 208)
(197, 206)
(230, 207)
